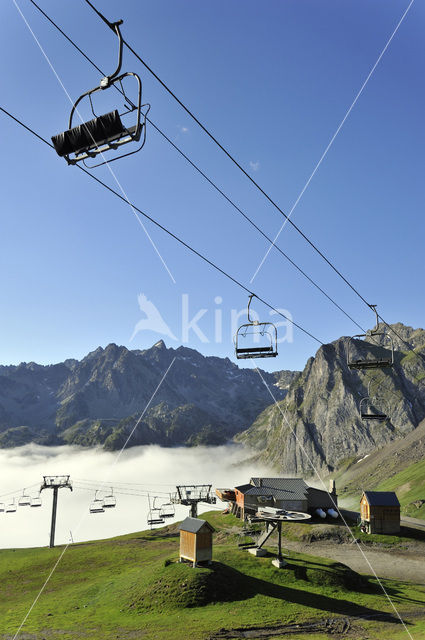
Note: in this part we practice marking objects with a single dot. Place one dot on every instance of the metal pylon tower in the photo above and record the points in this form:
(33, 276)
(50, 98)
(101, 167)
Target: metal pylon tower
(55, 483)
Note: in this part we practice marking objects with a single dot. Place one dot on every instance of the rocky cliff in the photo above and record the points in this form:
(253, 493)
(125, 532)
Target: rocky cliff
(318, 424)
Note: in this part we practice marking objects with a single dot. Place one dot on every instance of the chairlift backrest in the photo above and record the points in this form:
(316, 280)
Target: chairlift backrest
(254, 330)
(105, 132)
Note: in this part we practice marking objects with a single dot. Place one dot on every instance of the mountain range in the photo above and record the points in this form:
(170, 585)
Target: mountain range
(99, 400)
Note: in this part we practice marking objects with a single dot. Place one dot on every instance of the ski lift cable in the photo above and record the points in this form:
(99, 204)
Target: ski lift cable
(420, 355)
(203, 174)
(175, 237)
(19, 491)
(116, 491)
(229, 155)
(136, 484)
(171, 234)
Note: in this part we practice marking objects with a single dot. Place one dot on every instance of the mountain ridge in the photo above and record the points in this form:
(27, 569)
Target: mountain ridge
(86, 402)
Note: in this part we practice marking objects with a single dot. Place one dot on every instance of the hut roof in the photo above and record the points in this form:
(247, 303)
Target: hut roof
(382, 498)
(193, 525)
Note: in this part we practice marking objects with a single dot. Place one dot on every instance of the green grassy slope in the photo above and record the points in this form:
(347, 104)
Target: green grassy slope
(132, 587)
(399, 467)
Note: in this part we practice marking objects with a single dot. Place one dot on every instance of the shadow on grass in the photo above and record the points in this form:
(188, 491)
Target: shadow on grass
(253, 586)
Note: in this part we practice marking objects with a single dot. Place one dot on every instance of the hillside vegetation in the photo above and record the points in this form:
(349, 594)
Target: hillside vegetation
(398, 466)
(132, 587)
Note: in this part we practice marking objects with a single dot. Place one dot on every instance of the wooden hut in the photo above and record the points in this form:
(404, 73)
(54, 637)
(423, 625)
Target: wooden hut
(380, 512)
(196, 540)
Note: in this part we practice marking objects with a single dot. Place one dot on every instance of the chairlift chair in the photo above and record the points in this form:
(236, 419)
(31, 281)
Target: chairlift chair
(105, 132)
(154, 516)
(167, 510)
(36, 501)
(255, 329)
(2, 507)
(97, 506)
(24, 500)
(110, 501)
(11, 507)
(370, 363)
(368, 412)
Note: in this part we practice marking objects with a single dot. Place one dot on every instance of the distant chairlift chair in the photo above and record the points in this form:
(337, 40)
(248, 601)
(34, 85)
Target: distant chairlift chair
(36, 501)
(11, 507)
(24, 500)
(105, 132)
(362, 363)
(254, 329)
(167, 510)
(97, 506)
(368, 406)
(110, 501)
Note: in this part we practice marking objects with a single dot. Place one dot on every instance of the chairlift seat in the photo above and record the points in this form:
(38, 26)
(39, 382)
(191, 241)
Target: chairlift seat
(167, 510)
(370, 364)
(156, 521)
(109, 502)
(11, 508)
(2, 507)
(259, 352)
(35, 502)
(92, 134)
(374, 416)
(24, 501)
(98, 508)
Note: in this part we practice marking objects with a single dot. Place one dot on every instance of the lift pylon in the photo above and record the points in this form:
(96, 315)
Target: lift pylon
(55, 483)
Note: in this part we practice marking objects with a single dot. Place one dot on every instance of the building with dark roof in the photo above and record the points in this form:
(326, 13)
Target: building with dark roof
(291, 494)
(380, 512)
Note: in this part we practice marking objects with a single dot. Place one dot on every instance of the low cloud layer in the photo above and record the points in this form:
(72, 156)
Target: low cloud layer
(149, 468)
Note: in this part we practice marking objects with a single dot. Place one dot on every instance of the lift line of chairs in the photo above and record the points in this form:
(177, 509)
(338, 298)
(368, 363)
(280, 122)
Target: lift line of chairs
(25, 500)
(357, 359)
(105, 132)
(252, 332)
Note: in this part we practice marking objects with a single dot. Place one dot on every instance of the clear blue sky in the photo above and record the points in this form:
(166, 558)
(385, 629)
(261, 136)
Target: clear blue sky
(272, 81)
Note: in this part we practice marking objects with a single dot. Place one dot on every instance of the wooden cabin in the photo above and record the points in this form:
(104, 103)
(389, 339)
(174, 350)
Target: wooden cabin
(380, 512)
(196, 540)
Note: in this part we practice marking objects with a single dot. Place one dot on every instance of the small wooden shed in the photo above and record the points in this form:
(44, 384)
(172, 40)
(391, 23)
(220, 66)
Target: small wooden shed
(196, 540)
(380, 512)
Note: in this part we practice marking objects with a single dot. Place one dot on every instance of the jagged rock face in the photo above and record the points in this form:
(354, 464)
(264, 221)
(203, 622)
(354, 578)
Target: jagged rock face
(99, 399)
(318, 425)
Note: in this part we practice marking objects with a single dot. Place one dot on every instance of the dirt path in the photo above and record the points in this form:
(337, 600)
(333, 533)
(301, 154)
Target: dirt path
(390, 563)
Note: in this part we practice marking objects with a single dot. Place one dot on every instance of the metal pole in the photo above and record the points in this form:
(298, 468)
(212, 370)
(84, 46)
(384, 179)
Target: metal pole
(279, 533)
(53, 525)
(194, 510)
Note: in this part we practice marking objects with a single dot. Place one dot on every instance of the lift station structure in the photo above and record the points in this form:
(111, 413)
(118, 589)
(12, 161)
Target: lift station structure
(191, 494)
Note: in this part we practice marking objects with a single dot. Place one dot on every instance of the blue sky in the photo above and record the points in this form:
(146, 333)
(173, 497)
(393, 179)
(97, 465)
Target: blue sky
(272, 81)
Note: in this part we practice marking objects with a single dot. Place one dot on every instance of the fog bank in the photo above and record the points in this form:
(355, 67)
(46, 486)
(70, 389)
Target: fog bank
(155, 470)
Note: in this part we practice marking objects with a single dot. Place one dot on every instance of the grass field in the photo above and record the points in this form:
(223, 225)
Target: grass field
(133, 587)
